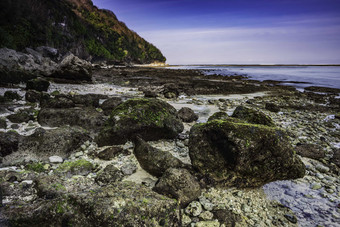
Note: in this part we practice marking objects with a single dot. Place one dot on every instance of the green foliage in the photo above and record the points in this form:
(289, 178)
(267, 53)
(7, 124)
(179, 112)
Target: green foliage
(36, 167)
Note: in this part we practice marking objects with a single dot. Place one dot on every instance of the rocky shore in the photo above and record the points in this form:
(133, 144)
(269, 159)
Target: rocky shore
(99, 145)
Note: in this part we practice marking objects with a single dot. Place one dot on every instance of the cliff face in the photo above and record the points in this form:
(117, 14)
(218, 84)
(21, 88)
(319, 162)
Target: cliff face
(72, 25)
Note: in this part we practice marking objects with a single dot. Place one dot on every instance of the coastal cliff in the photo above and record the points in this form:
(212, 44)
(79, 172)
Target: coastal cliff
(72, 25)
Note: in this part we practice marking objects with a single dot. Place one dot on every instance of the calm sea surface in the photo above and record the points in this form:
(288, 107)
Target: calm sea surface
(325, 76)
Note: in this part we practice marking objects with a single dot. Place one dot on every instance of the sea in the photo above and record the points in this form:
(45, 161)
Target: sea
(297, 76)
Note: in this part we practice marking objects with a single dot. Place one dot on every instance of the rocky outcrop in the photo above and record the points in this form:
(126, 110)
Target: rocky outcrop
(153, 160)
(178, 184)
(152, 119)
(73, 68)
(187, 115)
(120, 204)
(242, 154)
(87, 118)
(252, 116)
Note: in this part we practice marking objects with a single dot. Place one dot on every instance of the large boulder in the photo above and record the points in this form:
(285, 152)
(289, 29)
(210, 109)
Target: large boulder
(73, 68)
(152, 119)
(155, 161)
(252, 116)
(219, 116)
(87, 118)
(242, 154)
(179, 184)
(38, 84)
(9, 142)
(109, 104)
(120, 204)
(44, 143)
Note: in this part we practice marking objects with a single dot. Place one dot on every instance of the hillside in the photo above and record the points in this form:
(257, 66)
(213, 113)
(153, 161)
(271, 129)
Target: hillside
(72, 25)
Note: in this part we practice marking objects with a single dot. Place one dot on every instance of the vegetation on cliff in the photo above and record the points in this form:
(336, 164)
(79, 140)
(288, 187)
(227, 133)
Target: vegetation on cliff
(72, 25)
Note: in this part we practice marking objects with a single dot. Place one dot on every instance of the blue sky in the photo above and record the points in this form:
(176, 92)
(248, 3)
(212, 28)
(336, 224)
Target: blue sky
(236, 31)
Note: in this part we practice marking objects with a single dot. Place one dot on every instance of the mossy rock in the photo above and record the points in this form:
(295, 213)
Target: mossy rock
(152, 119)
(242, 154)
(252, 116)
(78, 167)
(12, 95)
(219, 116)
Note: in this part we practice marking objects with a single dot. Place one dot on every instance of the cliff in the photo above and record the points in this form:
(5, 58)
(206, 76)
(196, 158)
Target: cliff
(72, 25)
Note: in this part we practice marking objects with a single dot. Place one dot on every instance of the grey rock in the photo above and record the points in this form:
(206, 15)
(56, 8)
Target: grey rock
(55, 159)
(109, 104)
(129, 169)
(108, 175)
(187, 115)
(194, 209)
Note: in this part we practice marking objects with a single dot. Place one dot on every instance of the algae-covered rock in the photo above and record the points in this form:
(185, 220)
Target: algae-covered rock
(252, 116)
(78, 167)
(152, 119)
(187, 115)
(219, 116)
(12, 95)
(178, 184)
(242, 154)
(120, 204)
(108, 175)
(9, 142)
(153, 160)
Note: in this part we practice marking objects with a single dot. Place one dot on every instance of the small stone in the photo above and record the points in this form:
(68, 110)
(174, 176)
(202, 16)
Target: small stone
(322, 168)
(55, 159)
(316, 186)
(320, 176)
(180, 144)
(207, 224)
(83, 147)
(291, 218)
(206, 215)
(194, 209)
(78, 154)
(186, 220)
(47, 166)
(129, 169)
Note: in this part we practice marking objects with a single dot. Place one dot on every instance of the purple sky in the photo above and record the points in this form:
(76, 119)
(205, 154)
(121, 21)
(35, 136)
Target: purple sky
(236, 31)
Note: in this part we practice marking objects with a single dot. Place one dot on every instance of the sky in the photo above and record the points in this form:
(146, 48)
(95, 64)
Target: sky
(236, 31)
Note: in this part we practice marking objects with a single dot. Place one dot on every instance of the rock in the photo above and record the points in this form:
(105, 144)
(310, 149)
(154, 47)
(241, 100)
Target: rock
(9, 143)
(313, 151)
(171, 90)
(153, 160)
(206, 215)
(38, 84)
(252, 116)
(242, 154)
(150, 94)
(109, 153)
(32, 96)
(226, 217)
(152, 119)
(88, 118)
(291, 218)
(12, 95)
(178, 184)
(207, 224)
(219, 116)
(336, 157)
(3, 124)
(194, 209)
(88, 99)
(109, 174)
(128, 169)
(272, 107)
(24, 115)
(45, 143)
(55, 159)
(109, 104)
(49, 52)
(73, 68)
(119, 204)
(187, 115)
(321, 168)
(78, 167)
(60, 101)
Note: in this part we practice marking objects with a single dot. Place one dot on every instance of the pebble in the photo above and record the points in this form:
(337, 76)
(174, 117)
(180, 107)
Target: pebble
(316, 186)
(55, 159)
(207, 224)
(194, 209)
(291, 218)
(206, 215)
(186, 220)
(322, 168)
(78, 154)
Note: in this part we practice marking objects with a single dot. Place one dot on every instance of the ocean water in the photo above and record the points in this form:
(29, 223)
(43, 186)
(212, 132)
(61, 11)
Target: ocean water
(324, 76)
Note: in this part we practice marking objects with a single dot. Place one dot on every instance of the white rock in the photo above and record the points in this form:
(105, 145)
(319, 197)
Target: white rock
(55, 159)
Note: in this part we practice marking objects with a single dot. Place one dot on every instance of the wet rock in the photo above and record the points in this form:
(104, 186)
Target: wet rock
(171, 90)
(152, 119)
(9, 143)
(219, 116)
(88, 99)
(32, 96)
(150, 94)
(109, 153)
(109, 174)
(178, 184)
(272, 107)
(73, 68)
(22, 116)
(49, 187)
(12, 95)
(88, 118)
(153, 160)
(38, 84)
(3, 124)
(242, 154)
(187, 115)
(120, 204)
(252, 116)
(109, 104)
(313, 151)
